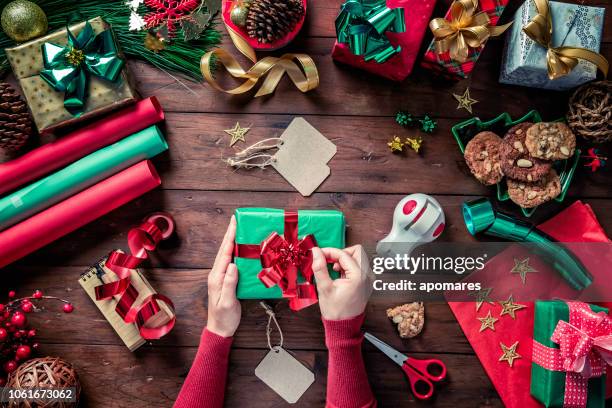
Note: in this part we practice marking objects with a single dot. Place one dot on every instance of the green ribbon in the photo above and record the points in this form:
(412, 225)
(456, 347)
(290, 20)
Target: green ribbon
(362, 25)
(68, 68)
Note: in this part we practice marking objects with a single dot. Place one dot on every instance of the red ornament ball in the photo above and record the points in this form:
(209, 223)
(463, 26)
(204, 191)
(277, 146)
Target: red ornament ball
(1, 307)
(27, 307)
(18, 319)
(11, 294)
(17, 334)
(35, 346)
(3, 334)
(68, 308)
(32, 333)
(10, 366)
(23, 352)
(37, 294)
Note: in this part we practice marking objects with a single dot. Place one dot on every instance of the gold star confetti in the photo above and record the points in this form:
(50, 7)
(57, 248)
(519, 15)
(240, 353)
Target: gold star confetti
(509, 307)
(396, 144)
(487, 322)
(481, 297)
(237, 133)
(509, 353)
(414, 144)
(522, 267)
(465, 100)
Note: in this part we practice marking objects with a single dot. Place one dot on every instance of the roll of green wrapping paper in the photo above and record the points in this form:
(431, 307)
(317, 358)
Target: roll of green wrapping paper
(79, 175)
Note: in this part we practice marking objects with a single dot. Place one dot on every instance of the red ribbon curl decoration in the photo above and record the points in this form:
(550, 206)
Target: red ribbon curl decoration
(145, 237)
(585, 349)
(281, 258)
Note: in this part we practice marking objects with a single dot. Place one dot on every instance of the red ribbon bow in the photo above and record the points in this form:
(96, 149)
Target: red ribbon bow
(141, 239)
(281, 258)
(585, 347)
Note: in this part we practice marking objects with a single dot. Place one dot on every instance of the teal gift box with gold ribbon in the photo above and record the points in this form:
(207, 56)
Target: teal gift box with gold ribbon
(72, 74)
(273, 254)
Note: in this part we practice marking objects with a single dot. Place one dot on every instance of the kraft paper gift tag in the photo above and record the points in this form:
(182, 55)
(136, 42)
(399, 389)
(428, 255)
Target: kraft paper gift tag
(303, 156)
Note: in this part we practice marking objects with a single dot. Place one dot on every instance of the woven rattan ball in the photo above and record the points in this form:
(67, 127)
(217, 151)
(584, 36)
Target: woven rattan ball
(47, 372)
(590, 112)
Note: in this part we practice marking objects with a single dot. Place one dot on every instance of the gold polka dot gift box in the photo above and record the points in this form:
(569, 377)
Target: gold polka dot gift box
(100, 90)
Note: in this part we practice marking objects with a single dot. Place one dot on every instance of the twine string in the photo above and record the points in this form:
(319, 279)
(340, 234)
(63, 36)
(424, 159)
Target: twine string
(269, 328)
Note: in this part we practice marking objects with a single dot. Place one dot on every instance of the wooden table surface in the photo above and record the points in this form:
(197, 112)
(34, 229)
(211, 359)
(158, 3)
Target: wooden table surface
(353, 109)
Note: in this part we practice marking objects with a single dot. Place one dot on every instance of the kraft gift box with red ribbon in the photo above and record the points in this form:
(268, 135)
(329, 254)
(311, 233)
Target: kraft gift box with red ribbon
(404, 41)
(572, 344)
(459, 67)
(273, 254)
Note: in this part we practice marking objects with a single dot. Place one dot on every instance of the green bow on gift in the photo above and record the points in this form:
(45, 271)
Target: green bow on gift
(68, 68)
(362, 25)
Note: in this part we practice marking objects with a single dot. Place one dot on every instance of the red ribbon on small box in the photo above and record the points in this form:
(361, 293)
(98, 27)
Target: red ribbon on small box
(585, 348)
(145, 237)
(281, 258)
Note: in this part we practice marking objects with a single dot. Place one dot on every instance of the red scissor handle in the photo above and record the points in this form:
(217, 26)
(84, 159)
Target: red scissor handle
(425, 367)
(421, 387)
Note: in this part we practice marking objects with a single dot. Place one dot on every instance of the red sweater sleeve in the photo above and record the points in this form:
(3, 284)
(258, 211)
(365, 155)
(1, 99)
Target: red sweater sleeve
(347, 382)
(204, 386)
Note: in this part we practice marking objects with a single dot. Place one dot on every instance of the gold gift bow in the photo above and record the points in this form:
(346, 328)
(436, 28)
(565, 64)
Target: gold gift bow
(560, 60)
(272, 68)
(464, 30)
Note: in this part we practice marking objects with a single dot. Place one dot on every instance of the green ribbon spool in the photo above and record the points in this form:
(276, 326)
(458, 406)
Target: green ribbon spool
(68, 68)
(362, 25)
(480, 217)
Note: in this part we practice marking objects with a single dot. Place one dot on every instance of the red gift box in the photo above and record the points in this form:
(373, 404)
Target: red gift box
(417, 15)
(577, 223)
(444, 64)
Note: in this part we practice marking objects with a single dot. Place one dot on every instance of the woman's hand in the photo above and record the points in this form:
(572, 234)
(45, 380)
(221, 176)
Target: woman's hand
(347, 296)
(223, 307)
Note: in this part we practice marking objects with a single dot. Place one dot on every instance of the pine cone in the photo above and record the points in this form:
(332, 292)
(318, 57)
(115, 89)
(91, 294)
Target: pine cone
(270, 20)
(15, 119)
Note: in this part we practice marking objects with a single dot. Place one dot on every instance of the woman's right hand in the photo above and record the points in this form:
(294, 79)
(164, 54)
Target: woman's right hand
(347, 296)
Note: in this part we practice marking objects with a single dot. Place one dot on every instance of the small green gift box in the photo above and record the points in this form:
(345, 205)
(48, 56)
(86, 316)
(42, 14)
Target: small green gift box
(554, 382)
(273, 251)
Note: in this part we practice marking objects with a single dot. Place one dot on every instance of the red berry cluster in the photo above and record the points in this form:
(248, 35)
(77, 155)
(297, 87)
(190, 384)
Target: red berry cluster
(17, 339)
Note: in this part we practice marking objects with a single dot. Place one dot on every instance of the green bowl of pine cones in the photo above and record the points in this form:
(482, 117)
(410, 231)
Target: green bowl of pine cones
(265, 25)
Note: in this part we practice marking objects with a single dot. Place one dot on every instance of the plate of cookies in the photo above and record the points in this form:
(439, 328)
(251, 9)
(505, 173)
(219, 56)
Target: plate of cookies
(530, 161)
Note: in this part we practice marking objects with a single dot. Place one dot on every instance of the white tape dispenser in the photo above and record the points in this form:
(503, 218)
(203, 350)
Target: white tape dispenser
(417, 219)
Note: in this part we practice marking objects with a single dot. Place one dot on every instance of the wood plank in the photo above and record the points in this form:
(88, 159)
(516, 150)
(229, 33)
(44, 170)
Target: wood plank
(348, 91)
(113, 377)
(202, 218)
(363, 163)
(188, 291)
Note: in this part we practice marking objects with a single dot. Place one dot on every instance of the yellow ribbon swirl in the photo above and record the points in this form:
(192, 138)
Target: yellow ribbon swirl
(560, 60)
(305, 78)
(465, 29)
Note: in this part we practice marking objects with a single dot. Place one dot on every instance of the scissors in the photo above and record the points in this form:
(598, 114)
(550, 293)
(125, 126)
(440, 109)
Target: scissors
(418, 371)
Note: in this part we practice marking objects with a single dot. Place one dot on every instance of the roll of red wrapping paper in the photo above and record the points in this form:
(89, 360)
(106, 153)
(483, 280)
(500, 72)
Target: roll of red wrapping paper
(76, 211)
(79, 143)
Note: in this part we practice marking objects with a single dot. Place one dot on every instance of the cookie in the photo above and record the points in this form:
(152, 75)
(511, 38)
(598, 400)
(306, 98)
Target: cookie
(516, 161)
(482, 157)
(410, 318)
(529, 195)
(550, 141)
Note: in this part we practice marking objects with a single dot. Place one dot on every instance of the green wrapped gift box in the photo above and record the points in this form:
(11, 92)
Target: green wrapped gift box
(254, 226)
(549, 385)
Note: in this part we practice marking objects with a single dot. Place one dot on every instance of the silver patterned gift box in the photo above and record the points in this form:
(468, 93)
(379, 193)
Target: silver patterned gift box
(524, 61)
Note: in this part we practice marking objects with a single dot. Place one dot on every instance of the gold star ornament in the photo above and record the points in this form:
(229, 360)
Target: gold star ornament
(487, 322)
(522, 267)
(237, 133)
(414, 143)
(509, 354)
(396, 144)
(481, 297)
(465, 100)
(509, 307)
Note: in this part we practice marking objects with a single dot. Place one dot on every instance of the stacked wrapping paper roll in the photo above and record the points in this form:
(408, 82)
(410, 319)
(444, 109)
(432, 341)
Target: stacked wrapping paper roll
(89, 173)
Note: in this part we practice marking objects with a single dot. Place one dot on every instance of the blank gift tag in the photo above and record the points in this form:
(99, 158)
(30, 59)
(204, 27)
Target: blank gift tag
(303, 156)
(283, 373)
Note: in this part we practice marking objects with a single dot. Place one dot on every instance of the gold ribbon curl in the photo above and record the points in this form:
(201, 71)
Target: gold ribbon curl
(465, 29)
(560, 60)
(305, 78)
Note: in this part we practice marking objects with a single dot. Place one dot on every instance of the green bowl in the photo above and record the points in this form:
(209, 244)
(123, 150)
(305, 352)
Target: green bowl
(465, 131)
